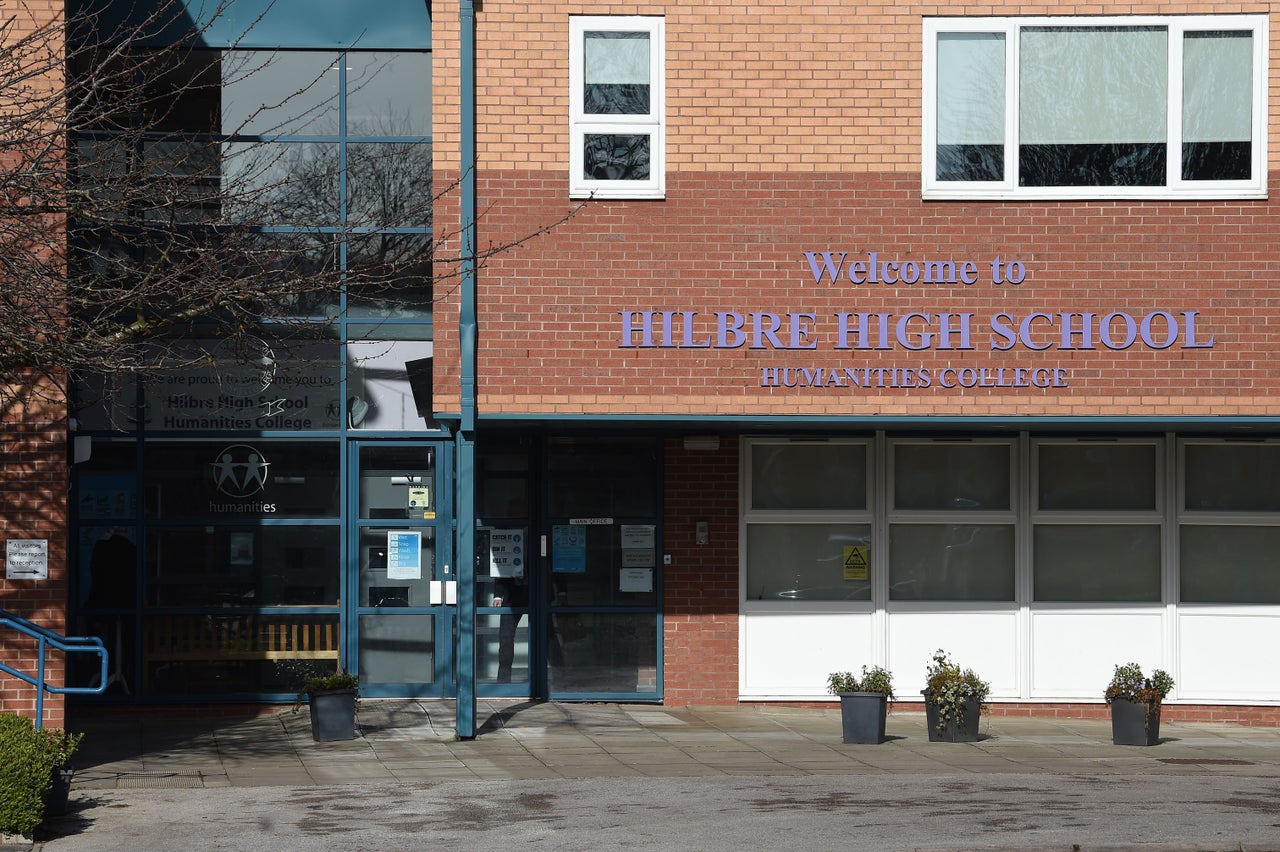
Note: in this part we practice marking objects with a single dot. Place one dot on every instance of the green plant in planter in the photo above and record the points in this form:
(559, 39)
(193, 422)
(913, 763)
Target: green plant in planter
(1129, 683)
(875, 679)
(949, 687)
(331, 682)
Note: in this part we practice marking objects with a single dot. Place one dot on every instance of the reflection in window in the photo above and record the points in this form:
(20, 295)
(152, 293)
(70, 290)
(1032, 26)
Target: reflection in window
(951, 562)
(808, 562)
(809, 476)
(944, 476)
(1097, 562)
(1093, 476)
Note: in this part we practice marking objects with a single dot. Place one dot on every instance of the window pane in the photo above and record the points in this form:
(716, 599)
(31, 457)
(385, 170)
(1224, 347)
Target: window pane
(616, 73)
(971, 99)
(1228, 564)
(225, 655)
(1092, 106)
(280, 183)
(1097, 562)
(388, 94)
(380, 590)
(1096, 477)
(808, 562)
(800, 476)
(951, 476)
(593, 478)
(389, 384)
(602, 652)
(610, 156)
(951, 562)
(389, 276)
(241, 478)
(276, 93)
(397, 649)
(242, 566)
(389, 184)
(1217, 105)
(1232, 477)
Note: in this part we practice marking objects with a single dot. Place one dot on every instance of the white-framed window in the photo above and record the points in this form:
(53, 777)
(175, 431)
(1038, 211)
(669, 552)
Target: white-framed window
(1229, 522)
(951, 520)
(1105, 107)
(616, 113)
(1097, 520)
(807, 520)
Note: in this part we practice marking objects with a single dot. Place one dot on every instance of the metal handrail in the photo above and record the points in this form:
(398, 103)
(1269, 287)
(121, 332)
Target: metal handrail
(67, 644)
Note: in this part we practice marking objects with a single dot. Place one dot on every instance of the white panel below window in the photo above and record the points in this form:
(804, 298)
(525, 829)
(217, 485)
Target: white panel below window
(986, 642)
(1227, 656)
(1074, 654)
(790, 655)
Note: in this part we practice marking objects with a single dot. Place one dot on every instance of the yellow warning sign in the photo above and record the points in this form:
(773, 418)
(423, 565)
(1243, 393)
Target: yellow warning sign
(855, 562)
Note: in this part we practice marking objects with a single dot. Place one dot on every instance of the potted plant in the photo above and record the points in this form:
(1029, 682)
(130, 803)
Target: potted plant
(332, 699)
(60, 745)
(1135, 704)
(864, 703)
(953, 701)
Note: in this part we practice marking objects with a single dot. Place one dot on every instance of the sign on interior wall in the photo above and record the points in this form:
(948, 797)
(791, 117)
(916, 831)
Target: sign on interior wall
(1032, 335)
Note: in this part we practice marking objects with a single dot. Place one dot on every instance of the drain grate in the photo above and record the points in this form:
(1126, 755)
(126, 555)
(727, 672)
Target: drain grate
(165, 781)
(1206, 761)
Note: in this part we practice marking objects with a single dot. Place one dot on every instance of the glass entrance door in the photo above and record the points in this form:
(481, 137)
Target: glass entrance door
(402, 582)
(602, 568)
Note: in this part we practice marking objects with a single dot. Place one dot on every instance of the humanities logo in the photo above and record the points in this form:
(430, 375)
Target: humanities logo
(240, 471)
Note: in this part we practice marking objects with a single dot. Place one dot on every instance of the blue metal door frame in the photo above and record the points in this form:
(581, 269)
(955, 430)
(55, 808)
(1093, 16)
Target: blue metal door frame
(444, 615)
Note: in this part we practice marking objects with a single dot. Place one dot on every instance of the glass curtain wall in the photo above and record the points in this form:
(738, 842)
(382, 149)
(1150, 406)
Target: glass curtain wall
(208, 554)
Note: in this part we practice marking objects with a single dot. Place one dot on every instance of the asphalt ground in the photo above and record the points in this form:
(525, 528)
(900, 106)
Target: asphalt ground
(594, 776)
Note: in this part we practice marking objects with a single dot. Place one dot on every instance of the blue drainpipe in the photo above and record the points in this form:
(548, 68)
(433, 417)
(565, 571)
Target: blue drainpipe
(464, 457)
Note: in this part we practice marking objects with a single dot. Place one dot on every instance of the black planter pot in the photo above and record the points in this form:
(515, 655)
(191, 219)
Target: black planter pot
(862, 716)
(966, 731)
(1134, 723)
(333, 715)
(57, 796)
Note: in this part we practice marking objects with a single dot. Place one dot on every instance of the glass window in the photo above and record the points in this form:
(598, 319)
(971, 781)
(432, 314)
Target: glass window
(389, 385)
(1100, 107)
(1232, 477)
(616, 103)
(400, 649)
(385, 94)
(241, 479)
(602, 652)
(242, 566)
(951, 562)
(1097, 562)
(808, 562)
(809, 476)
(1087, 476)
(1229, 564)
(377, 586)
(280, 93)
(594, 478)
(951, 476)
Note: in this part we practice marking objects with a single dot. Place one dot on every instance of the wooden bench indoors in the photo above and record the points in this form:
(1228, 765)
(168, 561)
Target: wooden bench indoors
(218, 638)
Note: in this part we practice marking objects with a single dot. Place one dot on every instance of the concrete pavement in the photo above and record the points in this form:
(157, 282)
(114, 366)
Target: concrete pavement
(594, 776)
(408, 741)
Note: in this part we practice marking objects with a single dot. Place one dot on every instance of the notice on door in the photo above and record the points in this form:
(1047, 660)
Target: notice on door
(506, 553)
(638, 549)
(404, 555)
(569, 549)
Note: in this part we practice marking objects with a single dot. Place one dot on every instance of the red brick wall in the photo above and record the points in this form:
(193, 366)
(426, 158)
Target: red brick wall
(700, 597)
(33, 435)
(551, 331)
(33, 505)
